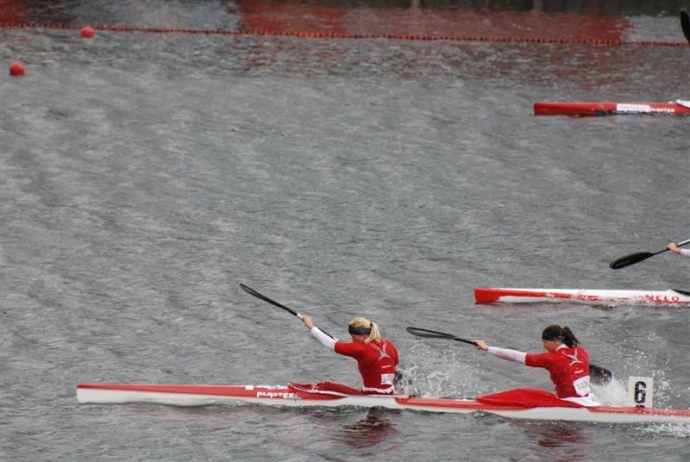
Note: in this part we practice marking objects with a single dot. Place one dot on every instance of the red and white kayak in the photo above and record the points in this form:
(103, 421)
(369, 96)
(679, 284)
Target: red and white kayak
(584, 296)
(521, 403)
(678, 107)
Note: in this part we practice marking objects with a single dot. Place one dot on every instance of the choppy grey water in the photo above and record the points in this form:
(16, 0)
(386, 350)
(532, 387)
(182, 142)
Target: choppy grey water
(144, 176)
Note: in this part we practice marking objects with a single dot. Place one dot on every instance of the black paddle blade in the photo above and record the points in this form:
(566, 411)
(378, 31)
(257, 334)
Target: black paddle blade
(426, 333)
(685, 24)
(251, 291)
(256, 294)
(419, 332)
(599, 375)
(630, 260)
(640, 256)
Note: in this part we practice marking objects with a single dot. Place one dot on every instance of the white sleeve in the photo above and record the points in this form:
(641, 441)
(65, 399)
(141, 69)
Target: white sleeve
(324, 339)
(510, 355)
(685, 252)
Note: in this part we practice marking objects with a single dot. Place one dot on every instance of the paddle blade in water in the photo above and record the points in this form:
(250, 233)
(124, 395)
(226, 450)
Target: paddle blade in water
(599, 375)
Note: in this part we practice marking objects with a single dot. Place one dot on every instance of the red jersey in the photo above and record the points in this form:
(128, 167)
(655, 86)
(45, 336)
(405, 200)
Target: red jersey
(568, 368)
(376, 362)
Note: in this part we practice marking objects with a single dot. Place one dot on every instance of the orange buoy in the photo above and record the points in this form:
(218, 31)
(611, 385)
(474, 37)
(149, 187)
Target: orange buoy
(88, 32)
(16, 69)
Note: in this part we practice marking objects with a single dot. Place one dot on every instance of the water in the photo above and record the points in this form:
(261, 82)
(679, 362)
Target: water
(144, 176)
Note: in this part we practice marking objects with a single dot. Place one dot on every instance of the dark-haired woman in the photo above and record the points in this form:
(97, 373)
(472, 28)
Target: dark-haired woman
(565, 359)
(376, 357)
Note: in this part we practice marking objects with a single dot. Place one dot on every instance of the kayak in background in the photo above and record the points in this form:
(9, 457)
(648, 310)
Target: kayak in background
(520, 403)
(585, 296)
(581, 109)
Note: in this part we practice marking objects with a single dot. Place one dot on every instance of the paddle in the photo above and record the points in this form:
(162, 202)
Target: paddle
(638, 257)
(685, 24)
(253, 292)
(419, 332)
(598, 375)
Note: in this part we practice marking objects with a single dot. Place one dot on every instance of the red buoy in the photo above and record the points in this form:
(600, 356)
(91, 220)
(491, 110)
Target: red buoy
(16, 69)
(88, 32)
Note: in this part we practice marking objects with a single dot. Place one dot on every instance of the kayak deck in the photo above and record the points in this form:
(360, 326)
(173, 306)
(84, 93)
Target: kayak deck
(200, 395)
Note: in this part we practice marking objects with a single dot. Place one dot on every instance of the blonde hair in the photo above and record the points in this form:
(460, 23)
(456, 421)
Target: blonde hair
(374, 335)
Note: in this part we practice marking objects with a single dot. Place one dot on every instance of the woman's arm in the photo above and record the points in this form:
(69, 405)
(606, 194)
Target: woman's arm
(324, 339)
(503, 353)
(510, 355)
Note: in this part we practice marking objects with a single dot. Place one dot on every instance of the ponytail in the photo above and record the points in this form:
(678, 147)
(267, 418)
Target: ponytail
(569, 338)
(362, 323)
(375, 335)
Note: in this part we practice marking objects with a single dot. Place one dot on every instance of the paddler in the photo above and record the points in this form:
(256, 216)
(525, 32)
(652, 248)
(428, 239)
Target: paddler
(376, 357)
(565, 359)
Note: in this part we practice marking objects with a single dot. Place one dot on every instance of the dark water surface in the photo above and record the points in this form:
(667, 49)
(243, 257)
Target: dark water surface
(143, 176)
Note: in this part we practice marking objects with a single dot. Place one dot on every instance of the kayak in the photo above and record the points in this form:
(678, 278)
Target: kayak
(678, 107)
(585, 296)
(520, 403)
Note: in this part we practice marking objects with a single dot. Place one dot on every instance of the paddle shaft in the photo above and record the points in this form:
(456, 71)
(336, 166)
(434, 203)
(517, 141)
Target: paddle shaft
(256, 294)
(639, 256)
(426, 333)
(598, 375)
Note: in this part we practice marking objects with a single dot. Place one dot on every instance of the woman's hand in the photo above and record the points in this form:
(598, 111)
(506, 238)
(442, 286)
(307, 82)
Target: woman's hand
(307, 321)
(481, 345)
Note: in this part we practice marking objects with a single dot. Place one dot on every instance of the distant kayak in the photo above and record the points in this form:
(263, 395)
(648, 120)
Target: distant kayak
(582, 109)
(585, 296)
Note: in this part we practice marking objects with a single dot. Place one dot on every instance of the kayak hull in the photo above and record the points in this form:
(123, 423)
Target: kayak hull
(483, 295)
(582, 109)
(203, 395)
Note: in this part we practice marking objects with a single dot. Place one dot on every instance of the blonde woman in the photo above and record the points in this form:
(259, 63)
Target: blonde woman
(376, 357)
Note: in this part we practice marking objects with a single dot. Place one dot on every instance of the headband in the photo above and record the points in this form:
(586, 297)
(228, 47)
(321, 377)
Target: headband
(552, 335)
(355, 330)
